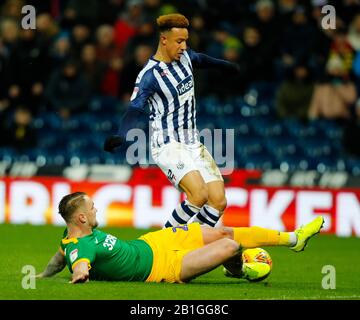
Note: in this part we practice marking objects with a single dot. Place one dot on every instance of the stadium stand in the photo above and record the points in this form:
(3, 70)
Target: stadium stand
(263, 138)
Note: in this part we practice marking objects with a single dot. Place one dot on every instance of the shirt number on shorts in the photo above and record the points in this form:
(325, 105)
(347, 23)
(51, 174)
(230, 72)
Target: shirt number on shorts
(184, 227)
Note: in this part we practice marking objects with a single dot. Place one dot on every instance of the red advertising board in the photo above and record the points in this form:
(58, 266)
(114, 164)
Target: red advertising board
(148, 198)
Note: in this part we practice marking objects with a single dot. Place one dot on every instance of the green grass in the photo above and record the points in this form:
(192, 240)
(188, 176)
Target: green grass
(294, 276)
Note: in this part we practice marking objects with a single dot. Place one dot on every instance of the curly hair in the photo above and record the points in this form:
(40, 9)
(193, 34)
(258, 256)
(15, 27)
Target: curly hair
(173, 20)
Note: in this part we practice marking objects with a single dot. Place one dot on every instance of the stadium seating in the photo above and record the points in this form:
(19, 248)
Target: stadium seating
(262, 140)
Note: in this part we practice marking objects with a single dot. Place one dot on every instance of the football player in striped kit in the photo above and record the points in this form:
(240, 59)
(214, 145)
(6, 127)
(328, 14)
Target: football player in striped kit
(166, 86)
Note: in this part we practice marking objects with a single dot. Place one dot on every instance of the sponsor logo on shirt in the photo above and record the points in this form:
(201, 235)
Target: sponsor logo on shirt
(171, 176)
(73, 255)
(185, 85)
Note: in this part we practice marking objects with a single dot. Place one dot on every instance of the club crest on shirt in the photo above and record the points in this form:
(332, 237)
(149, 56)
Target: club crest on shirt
(73, 255)
(180, 165)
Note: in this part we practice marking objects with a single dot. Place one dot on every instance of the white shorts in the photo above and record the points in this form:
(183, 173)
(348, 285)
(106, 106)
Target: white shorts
(177, 159)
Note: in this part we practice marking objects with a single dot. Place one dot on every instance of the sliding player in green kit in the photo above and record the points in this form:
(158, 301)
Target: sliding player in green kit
(175, 254)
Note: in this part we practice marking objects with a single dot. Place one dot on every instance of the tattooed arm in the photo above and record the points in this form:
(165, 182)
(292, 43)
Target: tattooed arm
(56, 264)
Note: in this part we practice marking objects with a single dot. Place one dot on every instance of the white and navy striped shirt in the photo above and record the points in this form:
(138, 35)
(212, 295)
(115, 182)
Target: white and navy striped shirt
(168, 90)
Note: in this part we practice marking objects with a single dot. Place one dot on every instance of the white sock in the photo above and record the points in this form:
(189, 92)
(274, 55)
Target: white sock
(207, 215)
(293, 239)
(182, 214)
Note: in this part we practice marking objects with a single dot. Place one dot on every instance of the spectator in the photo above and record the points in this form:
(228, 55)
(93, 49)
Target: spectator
(131, 70)
(222, 38)
(60, 50)
(267, 24)
(152, 9)
(335, 97)
(127, 26)
(110, 10)
(255, 58)
(110, 55)
(333, 101)
(46, 28)
(92, 69)
(294, 95)
(9, 32)
(354, 33)
(80, 10)
(106, 49)
(287, 7)
(146, 35)
(28, 69)
(68, 91)
(20, 134)
(199, 35)
(297, 38)
(12, 9)
(225, 46)
(80, 35)
(322, 40)
(354, 40)
(347, 9)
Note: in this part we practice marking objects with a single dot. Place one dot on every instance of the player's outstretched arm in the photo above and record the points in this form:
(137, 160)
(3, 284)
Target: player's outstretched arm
(80, 272)
(56, 264)
(201, 60)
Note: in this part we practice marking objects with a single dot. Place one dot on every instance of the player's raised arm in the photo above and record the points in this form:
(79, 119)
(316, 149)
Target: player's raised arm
(80, 272)
(56, 264)
(201, 60)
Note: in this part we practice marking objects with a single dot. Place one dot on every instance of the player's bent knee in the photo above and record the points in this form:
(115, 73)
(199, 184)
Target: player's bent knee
(222, 204)
(218, 203)
(230, 247)
(199, 197)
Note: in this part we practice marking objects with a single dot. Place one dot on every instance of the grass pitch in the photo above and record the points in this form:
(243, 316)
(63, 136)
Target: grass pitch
(294, 276)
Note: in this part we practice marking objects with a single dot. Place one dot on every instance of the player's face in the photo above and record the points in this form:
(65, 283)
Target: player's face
(90, 212)
(175, 42)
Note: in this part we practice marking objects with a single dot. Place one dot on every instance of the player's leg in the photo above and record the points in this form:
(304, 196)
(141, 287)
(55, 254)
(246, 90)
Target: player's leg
(252, 237)
(249, 237)
(176, 162)
(196, 195)
(207, 258)
(211, 212)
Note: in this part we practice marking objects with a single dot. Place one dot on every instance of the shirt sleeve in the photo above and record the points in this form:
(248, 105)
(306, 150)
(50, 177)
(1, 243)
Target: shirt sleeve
(144, 88)
(62, 246)
(76, 252)
(201, 60)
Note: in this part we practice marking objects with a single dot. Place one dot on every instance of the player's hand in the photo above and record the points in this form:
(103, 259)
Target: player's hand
(80, 278)
(112, 142)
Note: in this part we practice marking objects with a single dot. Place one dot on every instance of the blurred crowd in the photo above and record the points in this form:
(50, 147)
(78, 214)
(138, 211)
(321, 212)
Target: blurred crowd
(83, 48)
